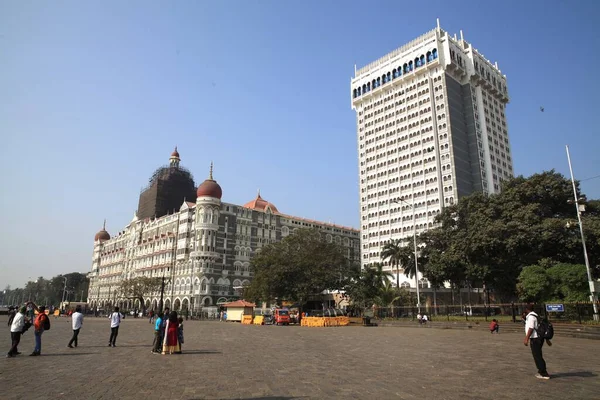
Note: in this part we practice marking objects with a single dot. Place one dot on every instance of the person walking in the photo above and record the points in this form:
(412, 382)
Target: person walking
(16, 330)
(115, 322)
(41, 324)
(535, 342)
(77, 319)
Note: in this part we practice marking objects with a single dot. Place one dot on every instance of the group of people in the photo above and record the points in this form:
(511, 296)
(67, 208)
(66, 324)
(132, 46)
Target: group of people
(422, 318)
(21, 320)
(168, 333)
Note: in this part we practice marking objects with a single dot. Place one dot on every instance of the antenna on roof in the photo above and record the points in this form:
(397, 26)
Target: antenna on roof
(104, 225)
(210, 176)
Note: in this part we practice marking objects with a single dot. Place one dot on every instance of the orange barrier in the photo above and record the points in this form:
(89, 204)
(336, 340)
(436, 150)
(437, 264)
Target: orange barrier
(259, 320)
(247, 319)
(325, 321)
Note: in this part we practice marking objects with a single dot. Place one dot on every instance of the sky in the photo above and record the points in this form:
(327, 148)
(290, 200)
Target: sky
(95, 95)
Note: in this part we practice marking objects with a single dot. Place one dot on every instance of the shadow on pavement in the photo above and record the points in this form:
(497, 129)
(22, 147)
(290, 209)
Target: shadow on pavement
(65, 354)
(127, 345)
(263, 398)
(580, 374)
(200, 352)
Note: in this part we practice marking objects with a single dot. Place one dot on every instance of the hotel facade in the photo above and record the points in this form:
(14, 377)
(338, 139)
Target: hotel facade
(203, 248)
(431, 128)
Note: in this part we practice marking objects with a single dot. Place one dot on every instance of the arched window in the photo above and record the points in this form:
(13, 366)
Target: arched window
(417, 62)
(405, 67)
(405, 285)
(410, 65)
(378, 82)
(364, 89)
(429, 58)
(356, 93)
(368, 86)
(422, 59)
(434, 53)
(389, 77)
(423, 284)
(395, 73)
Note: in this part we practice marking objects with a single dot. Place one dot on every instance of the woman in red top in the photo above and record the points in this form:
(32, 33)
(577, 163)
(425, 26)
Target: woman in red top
(171, 342)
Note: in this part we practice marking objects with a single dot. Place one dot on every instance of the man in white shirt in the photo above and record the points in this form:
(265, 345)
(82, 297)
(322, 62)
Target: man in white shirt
(16, 329)
(115, 321)
(77, 323)
(536, 342)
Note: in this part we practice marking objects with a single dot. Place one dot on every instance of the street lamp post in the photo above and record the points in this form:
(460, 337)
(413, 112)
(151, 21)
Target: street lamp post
(585, 255)
(64, 292)
(412, 206)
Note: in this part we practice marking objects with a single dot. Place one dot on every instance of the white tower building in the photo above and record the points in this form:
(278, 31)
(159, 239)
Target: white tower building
(431, 128)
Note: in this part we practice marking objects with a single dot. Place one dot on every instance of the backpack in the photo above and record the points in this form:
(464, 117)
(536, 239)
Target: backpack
(46, 322)
(545, 330)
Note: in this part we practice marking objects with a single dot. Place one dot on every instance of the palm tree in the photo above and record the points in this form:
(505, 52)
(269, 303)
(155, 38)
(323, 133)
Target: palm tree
(391, 251)
(399, 255)
(381, 277)
(387, 296)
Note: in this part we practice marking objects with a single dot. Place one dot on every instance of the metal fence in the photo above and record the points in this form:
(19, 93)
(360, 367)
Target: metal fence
(571, 312)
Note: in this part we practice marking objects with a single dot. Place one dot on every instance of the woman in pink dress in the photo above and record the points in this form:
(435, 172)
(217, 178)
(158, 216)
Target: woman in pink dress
(171, 342)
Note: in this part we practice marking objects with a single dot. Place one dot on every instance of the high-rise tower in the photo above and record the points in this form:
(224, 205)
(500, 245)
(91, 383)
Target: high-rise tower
(431, 128)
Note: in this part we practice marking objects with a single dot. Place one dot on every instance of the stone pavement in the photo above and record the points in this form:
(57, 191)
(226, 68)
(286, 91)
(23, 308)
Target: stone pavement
(233, 361)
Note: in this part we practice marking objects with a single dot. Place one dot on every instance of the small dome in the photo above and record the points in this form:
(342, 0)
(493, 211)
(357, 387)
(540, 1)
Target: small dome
(103, 234)
(210, 187)
(261, 204)
(175, 153)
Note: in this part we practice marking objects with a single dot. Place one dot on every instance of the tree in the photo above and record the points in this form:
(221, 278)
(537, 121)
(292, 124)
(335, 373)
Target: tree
(387, 296)
(552, 281)
(381, 277)
(301, 265)
(140, 287)
(398, 255)
(534, 284)
(490, 239)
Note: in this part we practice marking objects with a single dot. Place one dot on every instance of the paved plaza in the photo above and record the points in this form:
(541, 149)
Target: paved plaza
(233, 361)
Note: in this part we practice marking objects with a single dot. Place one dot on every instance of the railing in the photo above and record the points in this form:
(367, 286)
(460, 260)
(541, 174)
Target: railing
(578, 312)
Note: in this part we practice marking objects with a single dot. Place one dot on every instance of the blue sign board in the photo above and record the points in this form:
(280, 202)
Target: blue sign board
(555, 308)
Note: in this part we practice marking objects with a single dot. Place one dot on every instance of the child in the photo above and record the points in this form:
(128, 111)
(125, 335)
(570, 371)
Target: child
(180, 334)
(494, 327)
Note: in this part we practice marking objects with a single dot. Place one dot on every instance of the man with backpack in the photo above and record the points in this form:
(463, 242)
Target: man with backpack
(535, 334)
(41, 324)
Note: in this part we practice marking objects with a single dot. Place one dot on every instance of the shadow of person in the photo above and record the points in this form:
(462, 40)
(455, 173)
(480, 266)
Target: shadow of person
(579, 374)
(200, 352)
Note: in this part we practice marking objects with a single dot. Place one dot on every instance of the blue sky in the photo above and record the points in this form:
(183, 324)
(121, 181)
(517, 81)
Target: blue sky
(95, 95)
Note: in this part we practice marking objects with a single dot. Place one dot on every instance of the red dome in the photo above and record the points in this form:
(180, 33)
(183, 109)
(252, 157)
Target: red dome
(102, 236)
(175, 153)
(209, 188)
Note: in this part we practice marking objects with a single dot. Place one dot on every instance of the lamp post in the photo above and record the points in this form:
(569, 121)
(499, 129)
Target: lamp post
(412, 206)
(585, 255)
(63, 296)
